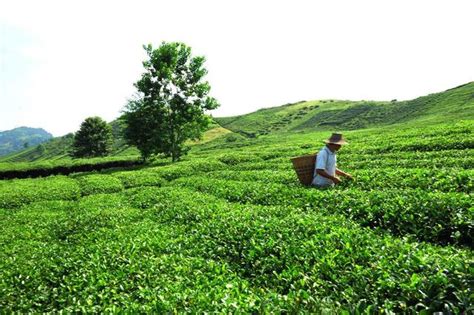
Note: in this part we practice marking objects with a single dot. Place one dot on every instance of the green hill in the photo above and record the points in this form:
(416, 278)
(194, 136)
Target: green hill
(231, 230)
(447, 106)
(59, 148)
(20, 138)
(304, 116)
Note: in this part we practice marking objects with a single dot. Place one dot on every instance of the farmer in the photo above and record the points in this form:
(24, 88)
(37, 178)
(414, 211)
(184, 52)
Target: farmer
(325, 173)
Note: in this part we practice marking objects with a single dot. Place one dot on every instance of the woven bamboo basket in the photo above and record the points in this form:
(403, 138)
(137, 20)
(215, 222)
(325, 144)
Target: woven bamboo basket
(304, 167)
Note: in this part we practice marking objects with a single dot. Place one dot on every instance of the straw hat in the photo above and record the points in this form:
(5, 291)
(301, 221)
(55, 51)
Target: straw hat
(336, 138)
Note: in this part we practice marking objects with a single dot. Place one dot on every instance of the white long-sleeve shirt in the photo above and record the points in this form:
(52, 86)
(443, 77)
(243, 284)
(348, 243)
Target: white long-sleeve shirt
(325, 160)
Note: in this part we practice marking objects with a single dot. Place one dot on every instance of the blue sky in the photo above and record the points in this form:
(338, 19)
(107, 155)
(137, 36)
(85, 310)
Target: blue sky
(63, 61)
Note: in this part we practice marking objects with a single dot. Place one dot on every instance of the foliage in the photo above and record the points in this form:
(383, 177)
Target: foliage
(444, 180)
(447, 215)
(93, 139)
(229, 229)
(48, 169)
(174, 250)
(139, 178)
(97, 184)
(173, 98)
(15, 193)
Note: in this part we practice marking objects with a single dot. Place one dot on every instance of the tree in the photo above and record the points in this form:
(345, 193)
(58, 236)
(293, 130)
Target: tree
(171, 102)
(93, 139)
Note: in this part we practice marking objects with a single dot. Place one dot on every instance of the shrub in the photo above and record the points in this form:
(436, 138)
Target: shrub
(139, 178)
(15, 193)
(96, 184)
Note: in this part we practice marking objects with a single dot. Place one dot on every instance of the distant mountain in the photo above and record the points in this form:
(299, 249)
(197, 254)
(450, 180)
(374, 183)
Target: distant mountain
(60, 148)
(21, 138)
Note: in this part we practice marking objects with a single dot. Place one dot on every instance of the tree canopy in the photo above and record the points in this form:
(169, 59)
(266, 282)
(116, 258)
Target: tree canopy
(93, 139)
(171, 102)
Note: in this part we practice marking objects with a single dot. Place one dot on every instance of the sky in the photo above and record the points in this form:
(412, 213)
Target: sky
(64, 61)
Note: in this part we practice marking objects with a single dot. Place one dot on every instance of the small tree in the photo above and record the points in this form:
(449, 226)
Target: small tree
(93, 139)
(171, 103)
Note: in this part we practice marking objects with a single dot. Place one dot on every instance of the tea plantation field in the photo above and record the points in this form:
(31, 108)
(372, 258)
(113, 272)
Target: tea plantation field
(230, 229)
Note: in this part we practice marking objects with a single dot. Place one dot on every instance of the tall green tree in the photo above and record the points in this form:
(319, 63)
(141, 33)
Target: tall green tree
(93, 139)
(171, 103)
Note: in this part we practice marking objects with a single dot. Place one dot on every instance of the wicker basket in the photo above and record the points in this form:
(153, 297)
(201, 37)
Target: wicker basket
(304, 167)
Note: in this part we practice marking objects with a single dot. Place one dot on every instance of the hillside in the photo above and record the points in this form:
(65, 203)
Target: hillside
(20, 138)
(231, 230)
(305, 116)
(450, 105)
(59, 148)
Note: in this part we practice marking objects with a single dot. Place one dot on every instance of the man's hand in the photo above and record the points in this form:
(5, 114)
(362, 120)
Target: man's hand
(336, 180)
(342, 173)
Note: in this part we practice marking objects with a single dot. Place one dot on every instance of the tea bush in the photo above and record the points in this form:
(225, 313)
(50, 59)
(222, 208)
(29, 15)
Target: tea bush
(97, 183)
(15, 193)
(230, 230)
(448, 215)
(131, 179)
(444, 180)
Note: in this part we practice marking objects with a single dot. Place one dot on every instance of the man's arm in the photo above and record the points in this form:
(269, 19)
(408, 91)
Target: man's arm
(342, 173)
(323, 173)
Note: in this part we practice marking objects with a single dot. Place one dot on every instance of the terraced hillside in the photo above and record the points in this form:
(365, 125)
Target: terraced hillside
(230, 229)
(59, 148)
(303, 116)
(19, 138)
